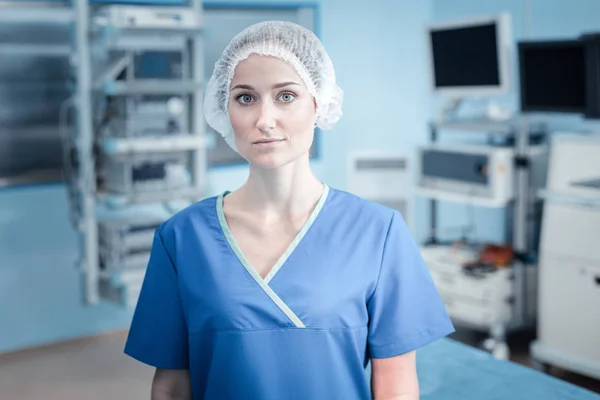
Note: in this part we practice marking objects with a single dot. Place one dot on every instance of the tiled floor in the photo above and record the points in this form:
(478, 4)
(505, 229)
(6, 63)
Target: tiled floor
(97, 369)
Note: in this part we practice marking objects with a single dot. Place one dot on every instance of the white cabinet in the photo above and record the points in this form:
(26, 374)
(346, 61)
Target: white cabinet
(569, 311)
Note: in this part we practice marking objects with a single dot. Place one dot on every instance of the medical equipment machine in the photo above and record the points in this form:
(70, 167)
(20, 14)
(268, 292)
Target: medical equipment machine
(151, 18)
(471, 57)
(147, 173)
(569, 268)
(569, 86)
(124, 248)
(125, 244)
(144, 116)
(478, 173)
(384, 177)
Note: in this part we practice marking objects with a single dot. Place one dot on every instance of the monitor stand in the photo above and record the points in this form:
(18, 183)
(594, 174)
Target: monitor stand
(450, 110)
(493, 112)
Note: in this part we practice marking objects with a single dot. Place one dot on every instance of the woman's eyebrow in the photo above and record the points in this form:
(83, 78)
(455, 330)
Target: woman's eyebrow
(246, 87)
(284, 84)
(276, 86)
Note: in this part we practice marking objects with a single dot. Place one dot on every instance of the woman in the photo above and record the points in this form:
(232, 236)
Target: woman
(285, 288)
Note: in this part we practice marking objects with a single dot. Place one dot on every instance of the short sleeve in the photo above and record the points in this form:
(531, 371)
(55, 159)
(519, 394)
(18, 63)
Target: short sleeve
(158, 332)
(405, 311)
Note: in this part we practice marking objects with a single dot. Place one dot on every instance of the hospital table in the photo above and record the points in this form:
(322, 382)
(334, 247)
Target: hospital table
(450, 370)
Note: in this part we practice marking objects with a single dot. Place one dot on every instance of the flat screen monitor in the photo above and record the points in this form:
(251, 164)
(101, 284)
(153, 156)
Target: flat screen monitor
(592, 65)
(553, 76)
(470, 58)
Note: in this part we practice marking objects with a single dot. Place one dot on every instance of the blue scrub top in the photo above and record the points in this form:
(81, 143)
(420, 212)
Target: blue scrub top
(351, 286)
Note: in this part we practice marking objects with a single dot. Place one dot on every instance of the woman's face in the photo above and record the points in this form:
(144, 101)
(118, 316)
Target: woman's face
(271, 112)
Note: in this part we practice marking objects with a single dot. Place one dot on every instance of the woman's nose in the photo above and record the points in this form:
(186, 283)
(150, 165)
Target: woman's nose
(266, 119)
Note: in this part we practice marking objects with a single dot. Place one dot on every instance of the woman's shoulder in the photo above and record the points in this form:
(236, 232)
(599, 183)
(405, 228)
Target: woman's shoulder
(351, 203)
(196, 215)
(363, 218)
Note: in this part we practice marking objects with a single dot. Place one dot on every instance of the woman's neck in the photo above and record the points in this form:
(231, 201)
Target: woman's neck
(281, 192)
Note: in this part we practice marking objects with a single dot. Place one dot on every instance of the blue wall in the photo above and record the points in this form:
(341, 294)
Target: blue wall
(382, 72)
(39, 286)
(547, 18)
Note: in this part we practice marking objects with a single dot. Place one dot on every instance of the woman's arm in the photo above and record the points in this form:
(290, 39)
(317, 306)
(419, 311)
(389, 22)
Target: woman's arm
(395, 378)
(171, 384)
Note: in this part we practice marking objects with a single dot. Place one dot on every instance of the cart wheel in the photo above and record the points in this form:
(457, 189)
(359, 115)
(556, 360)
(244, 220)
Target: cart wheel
(488, 344)
(501, 351)
(498, 349)
(540, 366)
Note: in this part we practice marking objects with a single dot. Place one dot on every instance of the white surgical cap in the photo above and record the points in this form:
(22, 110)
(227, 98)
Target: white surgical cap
(289, 42)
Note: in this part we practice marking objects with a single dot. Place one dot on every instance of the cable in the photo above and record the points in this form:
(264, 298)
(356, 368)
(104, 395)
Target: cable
(471, 226)
(65, 106)
(68, 170)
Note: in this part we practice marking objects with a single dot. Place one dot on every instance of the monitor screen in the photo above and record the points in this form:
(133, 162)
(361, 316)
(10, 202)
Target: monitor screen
(553, 76)
(465, 56)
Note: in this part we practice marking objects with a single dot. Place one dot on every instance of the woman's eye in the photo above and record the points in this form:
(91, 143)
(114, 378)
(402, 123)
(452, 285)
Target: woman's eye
(287, 97)
(244, 98)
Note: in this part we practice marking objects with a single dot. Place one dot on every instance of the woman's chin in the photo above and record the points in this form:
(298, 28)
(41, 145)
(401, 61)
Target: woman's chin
(271, 160)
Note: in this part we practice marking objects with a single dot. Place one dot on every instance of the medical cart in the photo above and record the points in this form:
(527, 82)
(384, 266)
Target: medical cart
(497, 300)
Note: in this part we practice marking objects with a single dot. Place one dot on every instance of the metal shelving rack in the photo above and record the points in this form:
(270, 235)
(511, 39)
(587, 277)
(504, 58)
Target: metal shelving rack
(86, 146)
(114, 268)
(522, 317)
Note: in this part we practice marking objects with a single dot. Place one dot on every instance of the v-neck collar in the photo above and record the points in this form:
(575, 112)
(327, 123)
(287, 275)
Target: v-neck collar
(286, 254)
